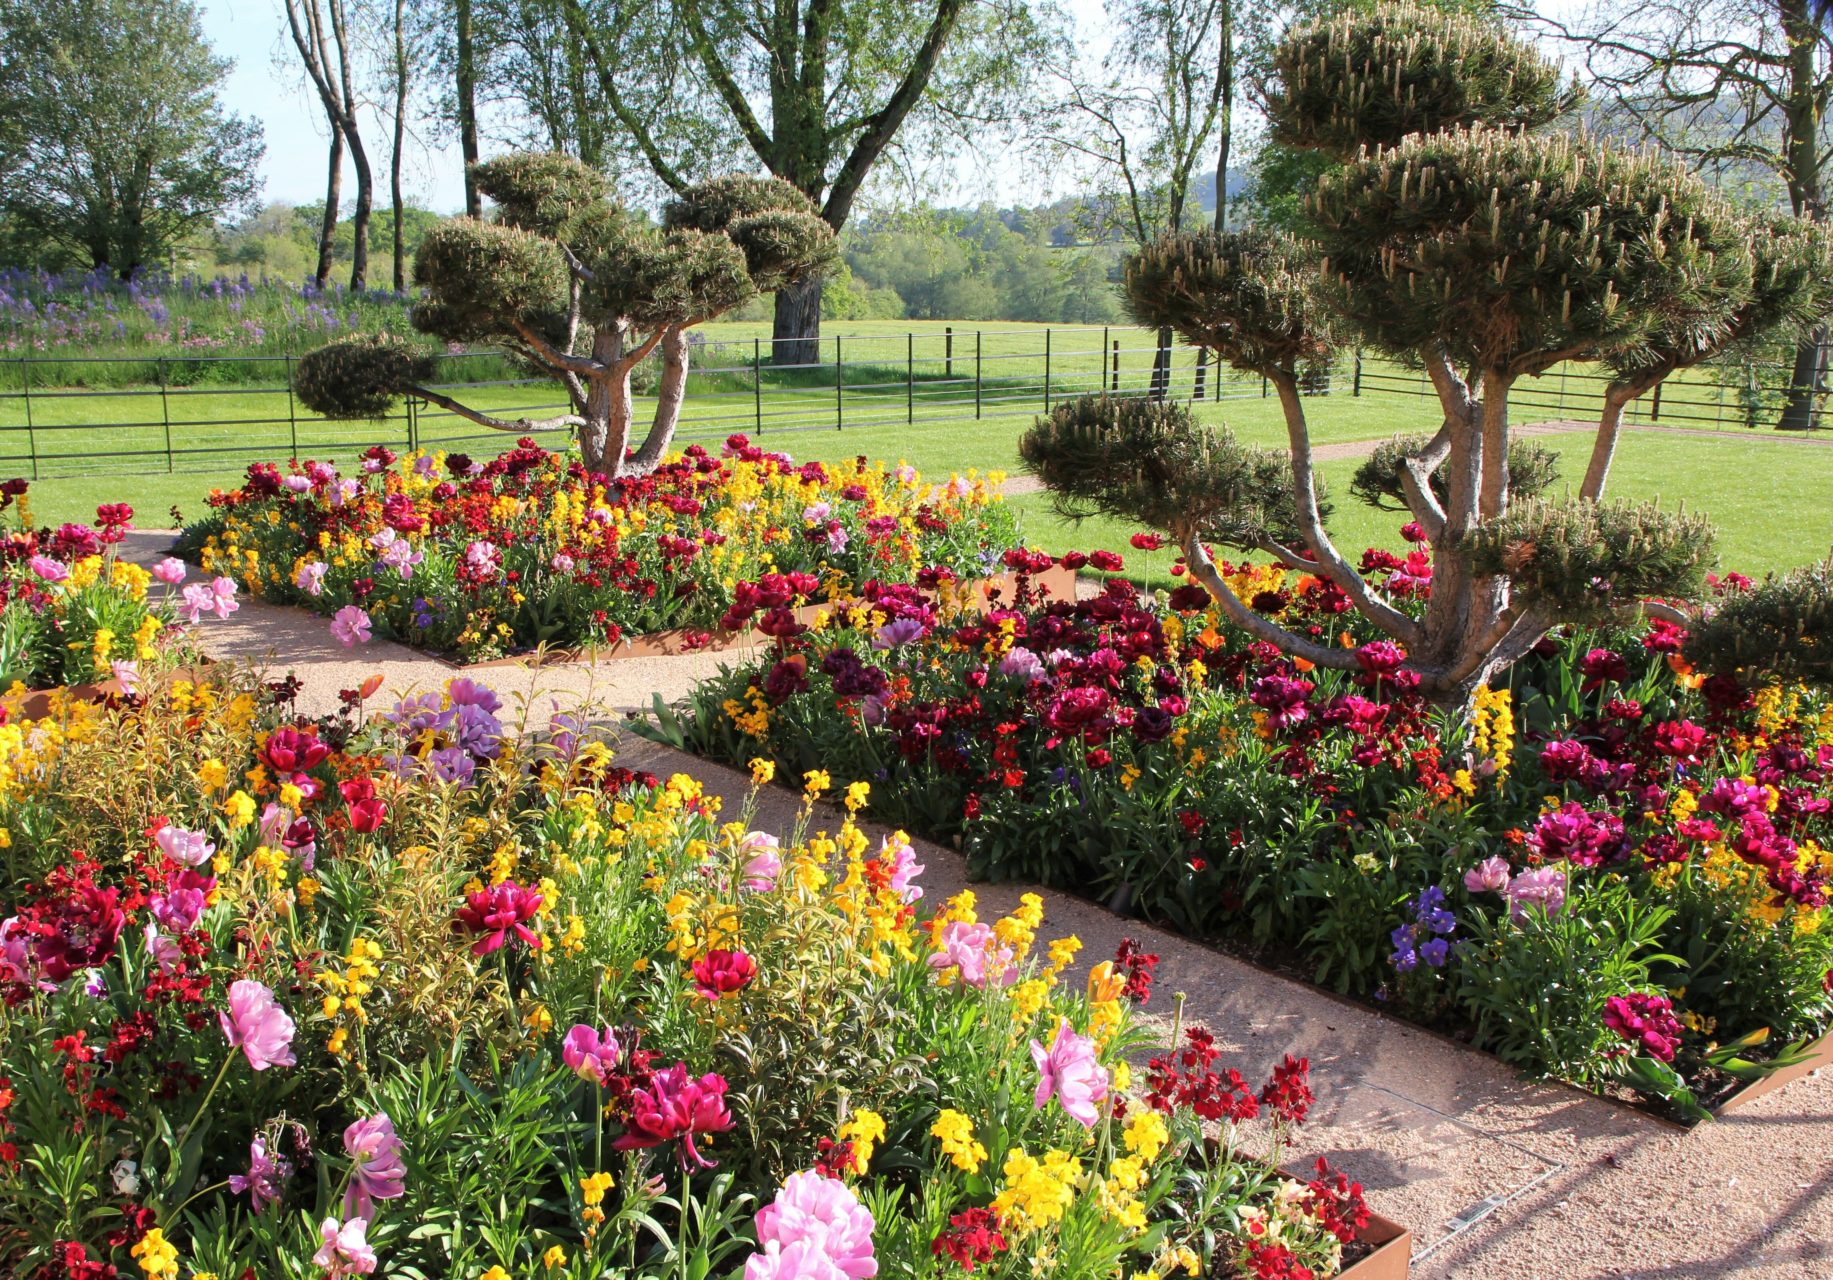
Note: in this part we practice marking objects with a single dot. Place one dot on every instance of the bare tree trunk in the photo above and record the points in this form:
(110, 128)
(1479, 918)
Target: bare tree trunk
(334, 198)
(466, 87)
(795, 334)
(359, 221)
(1161, 365)
(394, 156)
(1225, 122)
(670, 393)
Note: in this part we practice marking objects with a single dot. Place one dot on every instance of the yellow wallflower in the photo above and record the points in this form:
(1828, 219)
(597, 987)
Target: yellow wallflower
(763, 772)
(156, 1255)
(865, 1129)
(956, 1134)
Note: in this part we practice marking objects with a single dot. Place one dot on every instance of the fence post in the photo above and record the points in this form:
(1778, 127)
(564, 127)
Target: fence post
(757, 384)
(910, 377)
(1654, 408)
(1116, 387)
(31, 434)
(1263, 386)
(948, 350)
(976, 372)
(292, 411)
(1356, 388)
(165, 412)
(413, 424)
(1046, 371)
(1101, 359)
(1196, 391)
(839, 387)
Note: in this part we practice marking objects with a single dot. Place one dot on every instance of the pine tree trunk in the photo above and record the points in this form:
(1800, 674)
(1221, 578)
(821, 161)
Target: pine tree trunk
(795, 336)
(359, 222)
(334, 193)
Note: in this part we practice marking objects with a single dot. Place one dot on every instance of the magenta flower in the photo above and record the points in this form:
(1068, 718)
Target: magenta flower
(1488, 876)
(1646, 1021)
(376, 1169)
(257, 1025)
(901, 857)
(592, 1055)
(350, 626)
(344, 1249)
(674, 1106)
(721, 972)
(974, 952)
(1544, 887)
(815, 1227)
(188, 847)
(265, 1174)
(170, 571)
(1070, 1070)
(497, 914)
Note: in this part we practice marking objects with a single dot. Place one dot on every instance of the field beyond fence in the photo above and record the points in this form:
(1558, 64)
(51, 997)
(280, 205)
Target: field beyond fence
(183, 413)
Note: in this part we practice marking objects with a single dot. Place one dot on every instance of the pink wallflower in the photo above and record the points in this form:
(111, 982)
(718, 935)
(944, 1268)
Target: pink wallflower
(311, 578)
(763, 861)
(1488, 876)
(222, 597)
(1542, 886)
(344, 1249)
(170, 571)
(720, 973)
(127, 674)
(265, 1174)
(675, 1106)
(49, 570)
(974, 952)
(165, 952)
(257, 1025)
(497, 914)
(188, 847)
(376, 1169)
(592, 1055)
(350, 625)
(815, 1227)
(1070, 1070)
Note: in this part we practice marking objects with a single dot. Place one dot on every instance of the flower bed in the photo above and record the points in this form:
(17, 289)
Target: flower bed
(1615, 873)
(412, 992)
(73, 613)
(480, 559)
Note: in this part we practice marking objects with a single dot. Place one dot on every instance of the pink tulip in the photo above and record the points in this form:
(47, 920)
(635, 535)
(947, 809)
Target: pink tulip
(814, 1227)
(376, 1170)
(590, 1054)
(170, 571)
(973, 951)
(257, 1025)
(350, 626)
(1070, 1070)
(344, 1249)
(1488, 876)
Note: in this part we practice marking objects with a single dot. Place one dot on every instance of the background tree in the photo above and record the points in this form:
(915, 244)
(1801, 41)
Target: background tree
(327, 48)
(819, 91)
(1459, 237)
(1741, 88)
(582, 291)
(113, 146)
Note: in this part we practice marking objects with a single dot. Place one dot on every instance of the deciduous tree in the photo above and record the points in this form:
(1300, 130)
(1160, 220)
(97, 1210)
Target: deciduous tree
(113, 145)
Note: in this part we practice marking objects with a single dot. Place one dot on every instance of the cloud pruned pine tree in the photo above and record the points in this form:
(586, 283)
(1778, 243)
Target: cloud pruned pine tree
(581, 290)
(1454, 232)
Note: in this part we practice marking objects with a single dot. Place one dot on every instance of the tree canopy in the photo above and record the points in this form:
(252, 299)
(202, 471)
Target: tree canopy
(113, 147)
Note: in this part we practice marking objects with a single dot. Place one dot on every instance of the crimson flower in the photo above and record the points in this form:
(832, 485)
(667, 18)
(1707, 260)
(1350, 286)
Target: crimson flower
(971, 1236)
(720, 973)
(366, 809)
(496, 914)
(1288, 1092)
(674, 1106)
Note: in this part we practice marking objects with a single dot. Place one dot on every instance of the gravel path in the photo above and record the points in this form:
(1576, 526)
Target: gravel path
(1579, 1187)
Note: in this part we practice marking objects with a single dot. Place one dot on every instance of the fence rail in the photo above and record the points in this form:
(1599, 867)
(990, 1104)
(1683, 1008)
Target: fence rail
(183, 421)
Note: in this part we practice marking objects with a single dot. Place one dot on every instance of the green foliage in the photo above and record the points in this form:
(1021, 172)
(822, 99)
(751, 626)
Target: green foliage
(1532, 470)
(360, 377)
(481, 278)
(1519, 251)
(1150, 461)
(113, 145)
(1369, 78)
(544, 192)
(1783, 626)
(1248, 295)
(1590, 561)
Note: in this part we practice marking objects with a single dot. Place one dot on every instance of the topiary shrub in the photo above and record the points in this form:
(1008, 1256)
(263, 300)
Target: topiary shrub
(1782, 627)
(1453, 236)
(581, 290)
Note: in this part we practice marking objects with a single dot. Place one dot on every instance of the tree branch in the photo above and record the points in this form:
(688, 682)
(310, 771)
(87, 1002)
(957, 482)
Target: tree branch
(561, 422)
(1203, 569)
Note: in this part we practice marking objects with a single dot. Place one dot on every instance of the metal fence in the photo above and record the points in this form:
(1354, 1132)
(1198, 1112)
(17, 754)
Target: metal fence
(193, 417)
